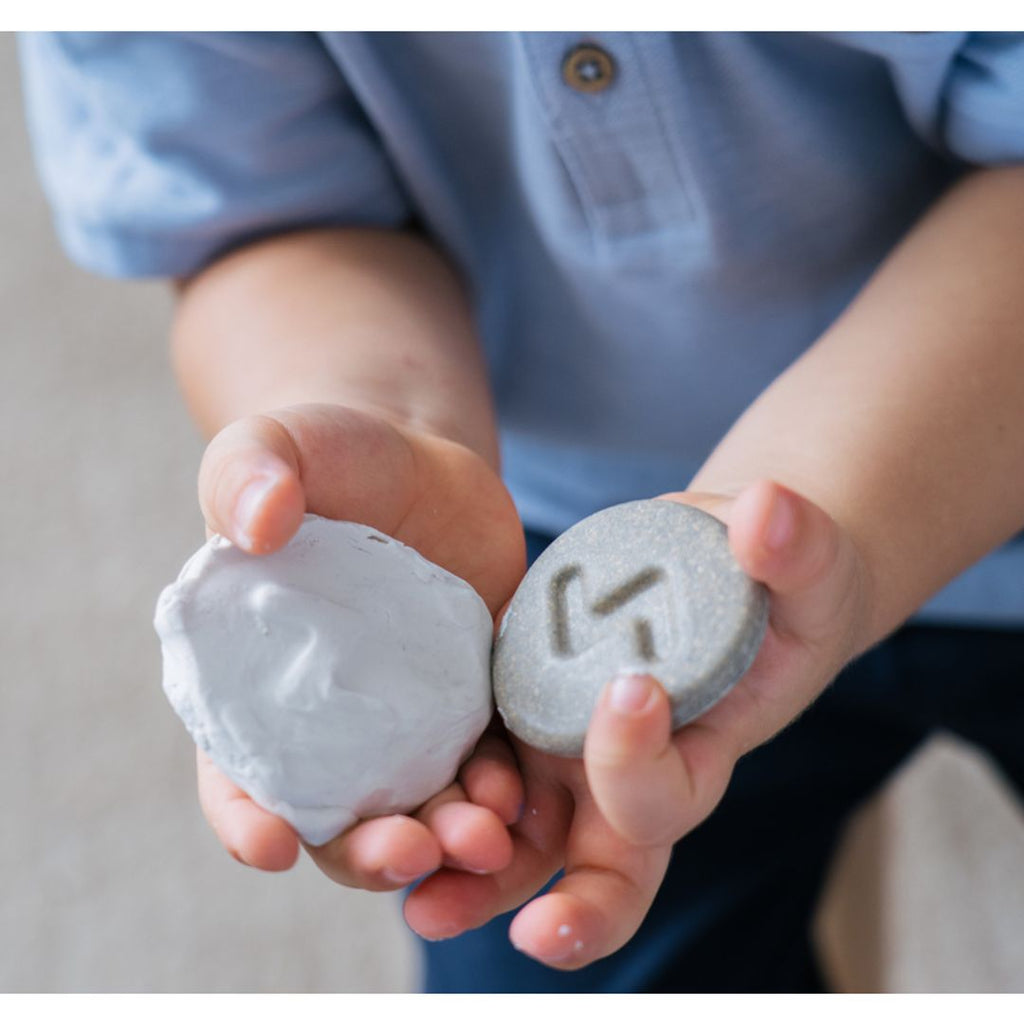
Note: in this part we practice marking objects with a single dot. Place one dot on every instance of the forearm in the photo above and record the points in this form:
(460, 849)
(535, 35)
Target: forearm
(371, 319)
(905, 421)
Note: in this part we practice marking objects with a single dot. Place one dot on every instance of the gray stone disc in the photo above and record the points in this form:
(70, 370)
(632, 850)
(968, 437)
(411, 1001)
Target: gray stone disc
(648, 586)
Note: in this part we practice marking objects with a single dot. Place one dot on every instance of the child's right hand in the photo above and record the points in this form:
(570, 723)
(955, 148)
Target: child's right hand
(258, 478)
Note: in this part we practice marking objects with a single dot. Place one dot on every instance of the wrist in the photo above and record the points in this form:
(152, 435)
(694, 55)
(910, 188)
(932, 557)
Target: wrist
(369, 320)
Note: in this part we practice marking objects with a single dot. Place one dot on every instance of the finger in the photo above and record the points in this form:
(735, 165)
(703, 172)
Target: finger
(472, 838)
(260, 474)
(380, 854)
(491, 778)
(791, 545)
(249, 485)
(451, 902)
(250, 834)
(799, 552)
(600, 902)
(634, 771)
(818, 604)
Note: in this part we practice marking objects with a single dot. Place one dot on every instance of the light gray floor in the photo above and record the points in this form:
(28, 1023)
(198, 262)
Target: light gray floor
(927, 892)
(109, 879)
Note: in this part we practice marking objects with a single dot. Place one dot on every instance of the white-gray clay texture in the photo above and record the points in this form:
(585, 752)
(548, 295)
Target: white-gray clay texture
(647, 586)
(340, 678)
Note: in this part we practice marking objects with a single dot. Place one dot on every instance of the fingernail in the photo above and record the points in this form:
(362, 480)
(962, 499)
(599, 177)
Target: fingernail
(458, 865)
(781, 522)
(248, 506)
(630, 693)
(399, 877)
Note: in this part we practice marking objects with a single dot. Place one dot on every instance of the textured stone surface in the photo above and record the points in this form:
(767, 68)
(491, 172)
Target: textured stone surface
(648, 586)
(340, 678)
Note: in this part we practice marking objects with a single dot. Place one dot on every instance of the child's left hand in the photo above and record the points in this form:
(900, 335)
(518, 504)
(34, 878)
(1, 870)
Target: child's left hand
(611, 818)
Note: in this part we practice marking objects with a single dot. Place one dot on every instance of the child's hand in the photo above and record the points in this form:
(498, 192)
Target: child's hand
(258, 478)
(611, 818)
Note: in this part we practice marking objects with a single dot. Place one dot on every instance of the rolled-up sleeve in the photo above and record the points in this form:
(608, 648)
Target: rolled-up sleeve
(159, 151)
(983, 99)
(963, 92)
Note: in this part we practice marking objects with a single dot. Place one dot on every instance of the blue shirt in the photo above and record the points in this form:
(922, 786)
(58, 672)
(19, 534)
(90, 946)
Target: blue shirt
(651, 231)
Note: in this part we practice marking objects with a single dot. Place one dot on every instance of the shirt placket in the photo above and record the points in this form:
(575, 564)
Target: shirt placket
(603, 105)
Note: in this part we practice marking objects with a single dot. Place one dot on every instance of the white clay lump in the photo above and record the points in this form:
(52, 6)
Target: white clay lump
(340, 678)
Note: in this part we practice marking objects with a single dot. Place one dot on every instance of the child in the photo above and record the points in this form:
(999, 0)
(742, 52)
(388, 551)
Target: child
(781, 271)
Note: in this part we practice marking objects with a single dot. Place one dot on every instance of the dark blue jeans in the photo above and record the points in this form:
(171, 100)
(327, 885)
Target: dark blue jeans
(734, 911)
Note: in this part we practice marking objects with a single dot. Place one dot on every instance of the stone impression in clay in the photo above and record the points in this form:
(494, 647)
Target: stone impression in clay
(340, 678)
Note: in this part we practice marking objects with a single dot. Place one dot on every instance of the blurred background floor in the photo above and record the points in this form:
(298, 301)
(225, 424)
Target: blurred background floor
(110, 880)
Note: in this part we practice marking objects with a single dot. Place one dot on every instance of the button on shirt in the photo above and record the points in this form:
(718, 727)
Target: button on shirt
(588, 68)
(653, 226)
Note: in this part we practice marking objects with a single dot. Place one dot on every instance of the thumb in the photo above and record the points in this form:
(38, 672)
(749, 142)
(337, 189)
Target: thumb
(261, 474)
(645, 787)
(250, 489)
